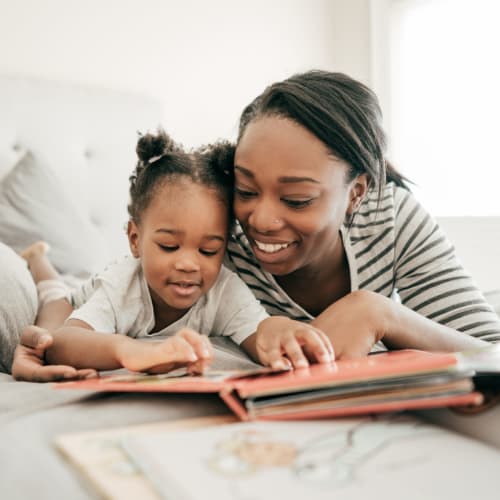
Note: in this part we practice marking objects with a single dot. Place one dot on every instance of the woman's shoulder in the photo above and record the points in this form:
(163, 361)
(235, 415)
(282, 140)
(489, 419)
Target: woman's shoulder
(239, 254)
(376, 213)
(384, 208)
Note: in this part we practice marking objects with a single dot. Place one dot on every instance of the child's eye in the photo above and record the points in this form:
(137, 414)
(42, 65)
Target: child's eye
(244, 194)
(298, 204)
(209, 252)
(168, 248)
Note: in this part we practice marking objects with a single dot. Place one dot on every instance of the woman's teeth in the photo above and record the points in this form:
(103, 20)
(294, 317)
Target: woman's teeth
(271, 247)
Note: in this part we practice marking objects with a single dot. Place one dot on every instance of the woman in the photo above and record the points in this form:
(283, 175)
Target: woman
(328, 231)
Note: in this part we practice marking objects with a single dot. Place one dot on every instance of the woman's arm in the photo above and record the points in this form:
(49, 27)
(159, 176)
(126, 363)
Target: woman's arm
(431, 280)
(359, 320)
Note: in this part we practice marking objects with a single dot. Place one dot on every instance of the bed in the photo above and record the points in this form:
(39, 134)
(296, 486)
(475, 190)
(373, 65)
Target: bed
(66, 152)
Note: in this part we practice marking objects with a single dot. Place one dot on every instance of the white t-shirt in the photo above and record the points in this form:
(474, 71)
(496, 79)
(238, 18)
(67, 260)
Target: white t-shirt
(118, 301)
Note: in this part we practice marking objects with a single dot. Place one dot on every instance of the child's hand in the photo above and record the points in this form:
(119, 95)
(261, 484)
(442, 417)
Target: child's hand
(186, 348)
(281, 341)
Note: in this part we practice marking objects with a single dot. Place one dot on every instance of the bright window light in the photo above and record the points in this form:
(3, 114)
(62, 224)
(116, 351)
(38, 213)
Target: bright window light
(445, 102)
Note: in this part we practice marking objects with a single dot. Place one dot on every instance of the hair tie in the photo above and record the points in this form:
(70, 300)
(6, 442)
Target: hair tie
(155, 158)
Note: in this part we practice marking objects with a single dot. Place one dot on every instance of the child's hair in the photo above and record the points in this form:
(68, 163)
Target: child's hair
(161, 160)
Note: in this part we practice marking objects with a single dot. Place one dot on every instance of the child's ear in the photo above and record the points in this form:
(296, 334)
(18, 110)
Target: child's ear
(358, 189)
(133, 238)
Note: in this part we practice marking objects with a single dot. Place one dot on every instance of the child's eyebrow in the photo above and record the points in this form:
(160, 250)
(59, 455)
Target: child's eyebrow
(168, 231)
(211, 237)
(208, 237)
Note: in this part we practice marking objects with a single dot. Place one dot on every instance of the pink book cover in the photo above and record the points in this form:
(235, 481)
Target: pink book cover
(234, 387)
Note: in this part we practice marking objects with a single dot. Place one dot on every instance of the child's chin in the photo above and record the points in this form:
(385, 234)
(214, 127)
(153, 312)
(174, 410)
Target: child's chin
(182, 303)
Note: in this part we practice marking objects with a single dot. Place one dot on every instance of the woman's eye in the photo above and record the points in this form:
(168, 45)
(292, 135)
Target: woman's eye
(297, 203)
(244, 194)
(168, 248)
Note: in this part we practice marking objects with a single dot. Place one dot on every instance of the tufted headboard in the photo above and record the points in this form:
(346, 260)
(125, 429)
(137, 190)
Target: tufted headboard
(85, 135)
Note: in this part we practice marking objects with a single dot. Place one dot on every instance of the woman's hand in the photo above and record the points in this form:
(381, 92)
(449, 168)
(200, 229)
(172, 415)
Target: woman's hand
(29, 359)
(281, 342)
(186, 348)
(356, 322)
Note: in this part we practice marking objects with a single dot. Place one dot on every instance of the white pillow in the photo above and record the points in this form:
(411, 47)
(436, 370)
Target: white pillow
(34, 206)
(18, 303)
(493, 297)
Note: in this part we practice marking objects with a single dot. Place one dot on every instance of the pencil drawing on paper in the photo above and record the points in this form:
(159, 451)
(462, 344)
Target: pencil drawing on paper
(331, 457)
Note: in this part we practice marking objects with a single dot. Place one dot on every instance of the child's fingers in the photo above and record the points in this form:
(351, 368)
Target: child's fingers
(164, 368)
(200, 343)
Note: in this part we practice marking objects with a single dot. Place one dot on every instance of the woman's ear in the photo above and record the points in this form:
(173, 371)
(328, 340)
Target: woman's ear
(133, 238)
(357, 191)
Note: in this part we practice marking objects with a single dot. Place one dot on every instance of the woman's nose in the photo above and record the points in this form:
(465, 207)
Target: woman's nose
(265, 219)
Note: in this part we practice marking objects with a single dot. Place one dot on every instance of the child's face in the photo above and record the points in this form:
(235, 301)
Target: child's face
(181, 241)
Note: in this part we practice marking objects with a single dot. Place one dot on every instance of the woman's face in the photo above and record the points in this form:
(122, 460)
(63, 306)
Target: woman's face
(291, 195)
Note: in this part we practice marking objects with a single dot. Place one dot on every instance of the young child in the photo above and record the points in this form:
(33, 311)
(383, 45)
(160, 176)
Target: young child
(174, 285)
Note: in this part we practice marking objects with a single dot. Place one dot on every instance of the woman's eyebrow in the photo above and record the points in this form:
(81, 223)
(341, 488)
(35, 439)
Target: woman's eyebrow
(289, 179)
(244, 171)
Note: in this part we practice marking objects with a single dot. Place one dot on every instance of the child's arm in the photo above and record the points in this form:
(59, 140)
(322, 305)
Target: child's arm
(280, 341)
(78, 345)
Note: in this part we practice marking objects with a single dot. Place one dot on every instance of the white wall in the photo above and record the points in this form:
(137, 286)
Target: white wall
(204, 60)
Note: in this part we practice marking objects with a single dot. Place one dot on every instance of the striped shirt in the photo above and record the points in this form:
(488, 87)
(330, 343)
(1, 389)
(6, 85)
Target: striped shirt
(393, 246)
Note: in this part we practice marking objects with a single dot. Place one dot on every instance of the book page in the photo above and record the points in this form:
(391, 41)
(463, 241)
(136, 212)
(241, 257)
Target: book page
(390, 457)
(99, 456)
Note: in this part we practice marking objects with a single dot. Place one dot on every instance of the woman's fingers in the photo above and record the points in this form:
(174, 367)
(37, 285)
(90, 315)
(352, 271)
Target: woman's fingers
(316, 345)
(270, 352)
(293, 351)
(36, 338)
(28, 364)
(295, 346)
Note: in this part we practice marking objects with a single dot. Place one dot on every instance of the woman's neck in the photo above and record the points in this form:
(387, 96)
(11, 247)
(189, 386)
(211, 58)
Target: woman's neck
(316, 286)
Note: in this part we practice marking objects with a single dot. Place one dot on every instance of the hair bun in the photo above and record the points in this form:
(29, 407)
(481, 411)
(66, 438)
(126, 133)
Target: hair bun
(221, 155)
(154, 145)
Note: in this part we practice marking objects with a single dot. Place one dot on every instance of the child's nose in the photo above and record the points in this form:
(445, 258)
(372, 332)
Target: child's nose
(187, 263)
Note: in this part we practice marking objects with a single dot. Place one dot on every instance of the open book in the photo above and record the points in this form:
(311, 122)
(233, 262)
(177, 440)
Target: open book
(389, 381)
(349, 458)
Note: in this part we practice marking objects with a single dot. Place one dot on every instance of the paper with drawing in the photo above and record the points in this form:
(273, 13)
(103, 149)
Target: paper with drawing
(391, 457)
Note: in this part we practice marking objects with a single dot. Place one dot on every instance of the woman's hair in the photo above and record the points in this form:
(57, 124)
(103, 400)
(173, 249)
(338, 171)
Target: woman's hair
(341, 112)
(162, 160)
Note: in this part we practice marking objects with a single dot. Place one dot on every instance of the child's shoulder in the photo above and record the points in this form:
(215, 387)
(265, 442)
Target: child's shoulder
(120, 270)
(227, 282)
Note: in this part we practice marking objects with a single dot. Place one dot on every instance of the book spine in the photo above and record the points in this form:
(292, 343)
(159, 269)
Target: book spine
(234, 403)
